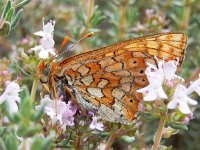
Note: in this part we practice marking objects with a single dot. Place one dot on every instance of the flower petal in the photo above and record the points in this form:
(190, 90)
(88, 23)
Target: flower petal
(184, 108)
(172, 104)
(43, 54)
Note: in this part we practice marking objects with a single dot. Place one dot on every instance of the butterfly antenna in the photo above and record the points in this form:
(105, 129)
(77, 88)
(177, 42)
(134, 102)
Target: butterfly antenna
(65, 41)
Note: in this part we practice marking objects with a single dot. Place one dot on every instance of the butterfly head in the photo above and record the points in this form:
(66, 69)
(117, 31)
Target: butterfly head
(43, 72)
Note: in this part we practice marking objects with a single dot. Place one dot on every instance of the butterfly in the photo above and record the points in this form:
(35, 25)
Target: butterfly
(106, 80)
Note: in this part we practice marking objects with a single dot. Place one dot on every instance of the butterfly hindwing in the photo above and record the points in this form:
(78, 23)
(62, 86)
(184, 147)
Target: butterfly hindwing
(106, 79)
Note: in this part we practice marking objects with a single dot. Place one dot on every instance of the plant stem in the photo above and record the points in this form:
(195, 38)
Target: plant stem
(110, 141)
(186, 15)
(158, 135)
(89, 6)
(24, 144)
(1, 120)
(194, 75)
(34, 88)
(112, 138)
(122, 20)
(141, 136)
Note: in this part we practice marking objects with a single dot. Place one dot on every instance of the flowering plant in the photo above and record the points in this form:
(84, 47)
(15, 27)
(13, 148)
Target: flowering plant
(29, 120)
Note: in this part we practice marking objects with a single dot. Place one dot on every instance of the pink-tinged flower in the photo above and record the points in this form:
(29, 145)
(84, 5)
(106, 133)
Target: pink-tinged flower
(95, 125)
(67, 116)
(140, 107)
(11, 97)
(149, 13)
(49, 109)
(181, 100)
(194, 87)
(47, 42)
(186, 120)
(65, 112)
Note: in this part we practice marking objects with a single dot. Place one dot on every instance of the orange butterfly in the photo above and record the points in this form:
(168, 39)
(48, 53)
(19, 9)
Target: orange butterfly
(105, 80)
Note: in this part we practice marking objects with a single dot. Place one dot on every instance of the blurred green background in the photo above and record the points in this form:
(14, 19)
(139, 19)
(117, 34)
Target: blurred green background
(113, 21)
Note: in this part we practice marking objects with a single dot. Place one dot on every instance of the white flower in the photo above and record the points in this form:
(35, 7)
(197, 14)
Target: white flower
(166, 70)
(169, 70)
(194, 87)
(64, 114)
(156, 77)
(154, 90)
(95, 125)
(47, 42)
(50, 110)
(48, 29)
(11, 97)
(181, 99)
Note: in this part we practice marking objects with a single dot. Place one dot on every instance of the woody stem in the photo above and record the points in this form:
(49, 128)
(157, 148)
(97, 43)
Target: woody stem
(112, 138)
(158, 135)
(34, 88)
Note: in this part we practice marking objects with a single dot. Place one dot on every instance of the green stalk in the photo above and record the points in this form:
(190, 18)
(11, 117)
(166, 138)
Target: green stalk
(158, 135)
(34, 88)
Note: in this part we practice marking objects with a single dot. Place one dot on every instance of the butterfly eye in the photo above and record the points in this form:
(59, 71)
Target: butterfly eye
(43, 79)
(141, 71)
(46, 70)
(135, 62)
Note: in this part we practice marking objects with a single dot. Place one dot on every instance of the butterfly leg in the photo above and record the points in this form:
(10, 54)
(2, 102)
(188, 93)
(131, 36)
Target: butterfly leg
(44, 88)
(55, 94)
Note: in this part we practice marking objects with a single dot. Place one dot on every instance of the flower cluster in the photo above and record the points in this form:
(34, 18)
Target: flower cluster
(164, 84)
(154, 21)
(47, 42)
(64, 113)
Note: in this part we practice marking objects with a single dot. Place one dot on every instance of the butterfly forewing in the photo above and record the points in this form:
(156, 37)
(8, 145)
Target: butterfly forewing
(105, 80)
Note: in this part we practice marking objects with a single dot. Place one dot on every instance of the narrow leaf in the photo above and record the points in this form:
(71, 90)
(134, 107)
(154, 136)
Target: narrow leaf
(25, 2)
(9, 15)
(20, 69)
(178, 126)
(6, 9)
(16, 19)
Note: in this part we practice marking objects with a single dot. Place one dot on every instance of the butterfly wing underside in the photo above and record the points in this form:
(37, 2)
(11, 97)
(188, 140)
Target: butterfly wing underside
(105, 80)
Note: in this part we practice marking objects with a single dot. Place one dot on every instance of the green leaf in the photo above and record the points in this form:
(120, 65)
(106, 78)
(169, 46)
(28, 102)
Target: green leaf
(46, 143)
(37, 115)
(36, 145)
(10, 14)
(25, 2)
(148, 116)
(11, 142)
(2, 144)
(2, 131)
(16, 19)
(41, 144)
(65, 142)
(24, 95)
(6, 9)
(178, 126)
(26, 108)
(15, 118)
(5, 30)
(21, 70)
(28, 130)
